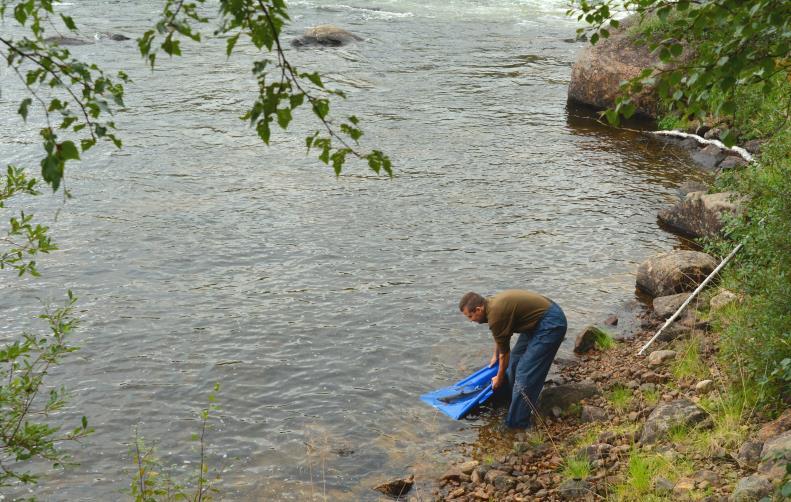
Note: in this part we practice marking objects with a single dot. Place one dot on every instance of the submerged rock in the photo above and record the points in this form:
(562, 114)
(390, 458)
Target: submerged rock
(674, 272)
(326, 35)
(397, 487)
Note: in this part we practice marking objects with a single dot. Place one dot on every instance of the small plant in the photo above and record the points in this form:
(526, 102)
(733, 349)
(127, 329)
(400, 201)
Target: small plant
(154, 482)
(576, 467)
(620, 397)
(604, 340)
(573, 410)
(689, 362)
(651, 397)
(535, 438)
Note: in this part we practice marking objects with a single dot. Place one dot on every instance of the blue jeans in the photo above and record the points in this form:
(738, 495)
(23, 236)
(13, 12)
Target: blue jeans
(529, 364)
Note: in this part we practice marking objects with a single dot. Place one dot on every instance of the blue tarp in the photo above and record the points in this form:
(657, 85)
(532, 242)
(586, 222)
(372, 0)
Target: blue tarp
(460, 398)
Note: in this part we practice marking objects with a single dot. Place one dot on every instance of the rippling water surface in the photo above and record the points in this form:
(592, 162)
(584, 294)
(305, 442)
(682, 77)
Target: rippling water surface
(326, 305)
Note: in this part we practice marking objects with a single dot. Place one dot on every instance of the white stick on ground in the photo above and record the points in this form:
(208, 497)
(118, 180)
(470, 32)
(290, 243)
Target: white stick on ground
(703, 141)
(693, 295)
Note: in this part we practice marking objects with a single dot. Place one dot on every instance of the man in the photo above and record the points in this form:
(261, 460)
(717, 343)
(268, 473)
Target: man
(541, 325)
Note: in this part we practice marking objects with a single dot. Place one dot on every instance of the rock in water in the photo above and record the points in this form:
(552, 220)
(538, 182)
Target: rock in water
(700, 214)
(397, 487)
(674, 272)
(326, 35)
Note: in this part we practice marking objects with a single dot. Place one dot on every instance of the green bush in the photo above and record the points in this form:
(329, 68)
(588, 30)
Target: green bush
(756, 334)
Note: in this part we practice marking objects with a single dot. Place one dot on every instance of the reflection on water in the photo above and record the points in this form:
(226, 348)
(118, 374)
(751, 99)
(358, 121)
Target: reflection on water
(325, 306)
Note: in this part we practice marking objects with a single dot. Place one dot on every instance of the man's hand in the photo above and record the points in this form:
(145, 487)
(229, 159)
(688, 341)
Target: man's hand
(497, 381)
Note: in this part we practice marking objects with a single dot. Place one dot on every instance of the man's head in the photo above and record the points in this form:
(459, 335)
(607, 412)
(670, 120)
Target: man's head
(473, 306)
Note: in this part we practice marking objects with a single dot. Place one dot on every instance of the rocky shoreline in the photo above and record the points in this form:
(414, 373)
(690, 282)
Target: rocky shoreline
(612, 410)
(622, 426)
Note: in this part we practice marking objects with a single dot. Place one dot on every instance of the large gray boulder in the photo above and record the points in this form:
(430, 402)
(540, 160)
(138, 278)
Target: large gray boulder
(599, 70)
(674, 272)
(325, 35)
(678, 413)
(700, 214)
(563, 396)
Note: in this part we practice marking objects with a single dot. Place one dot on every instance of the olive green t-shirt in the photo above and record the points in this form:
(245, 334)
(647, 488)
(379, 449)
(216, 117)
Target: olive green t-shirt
(513, 311)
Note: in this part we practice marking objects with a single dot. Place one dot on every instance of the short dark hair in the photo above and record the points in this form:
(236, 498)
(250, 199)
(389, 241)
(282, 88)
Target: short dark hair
(471, 301)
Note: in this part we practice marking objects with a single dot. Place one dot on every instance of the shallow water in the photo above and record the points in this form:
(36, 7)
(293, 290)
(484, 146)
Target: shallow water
(324, 306)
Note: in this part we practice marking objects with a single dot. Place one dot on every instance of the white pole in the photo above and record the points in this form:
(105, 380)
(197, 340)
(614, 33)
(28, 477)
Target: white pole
(694, 293)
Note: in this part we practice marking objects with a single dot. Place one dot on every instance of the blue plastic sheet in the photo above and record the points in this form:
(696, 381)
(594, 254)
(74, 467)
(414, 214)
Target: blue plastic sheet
(462, 397)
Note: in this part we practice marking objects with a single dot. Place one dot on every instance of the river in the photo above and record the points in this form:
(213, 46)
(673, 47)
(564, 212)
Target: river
(325, 306)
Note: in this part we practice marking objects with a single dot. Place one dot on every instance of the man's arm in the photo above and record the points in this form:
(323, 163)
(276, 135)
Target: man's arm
(499, 379)
(496, 356)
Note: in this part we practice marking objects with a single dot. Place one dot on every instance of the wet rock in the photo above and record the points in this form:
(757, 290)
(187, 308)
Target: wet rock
(563, 396)
(458, 492)
(325, 35)
(775, 454)
(493, 474)
(666, 306)
(692, 186)
(704, 386)
(479, 473)
(396, 487)
(674, 272)
(467, 467)
(710, 155)
(732, 162)
(71, 41)
(592, 414)
(751, 489)
(587, 339)
(612, 320)
(452, 474)
(776, 427)
(700, 214)
(665, 416)
(659, 357)
(576, 489)
(597, 74)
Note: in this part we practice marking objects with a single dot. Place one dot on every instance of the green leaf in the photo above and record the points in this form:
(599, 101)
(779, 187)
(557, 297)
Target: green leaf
(315, 78)
(231, 43)
(69, 22)
(68, 151)
(296, 100)
(283, 117)
(321, 107)
(23, 108)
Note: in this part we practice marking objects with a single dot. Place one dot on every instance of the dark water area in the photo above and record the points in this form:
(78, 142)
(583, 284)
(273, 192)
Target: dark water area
(325, 306)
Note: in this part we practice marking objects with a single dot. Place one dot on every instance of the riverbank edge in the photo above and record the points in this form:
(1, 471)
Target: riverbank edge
(704, 442)
(669, 426)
